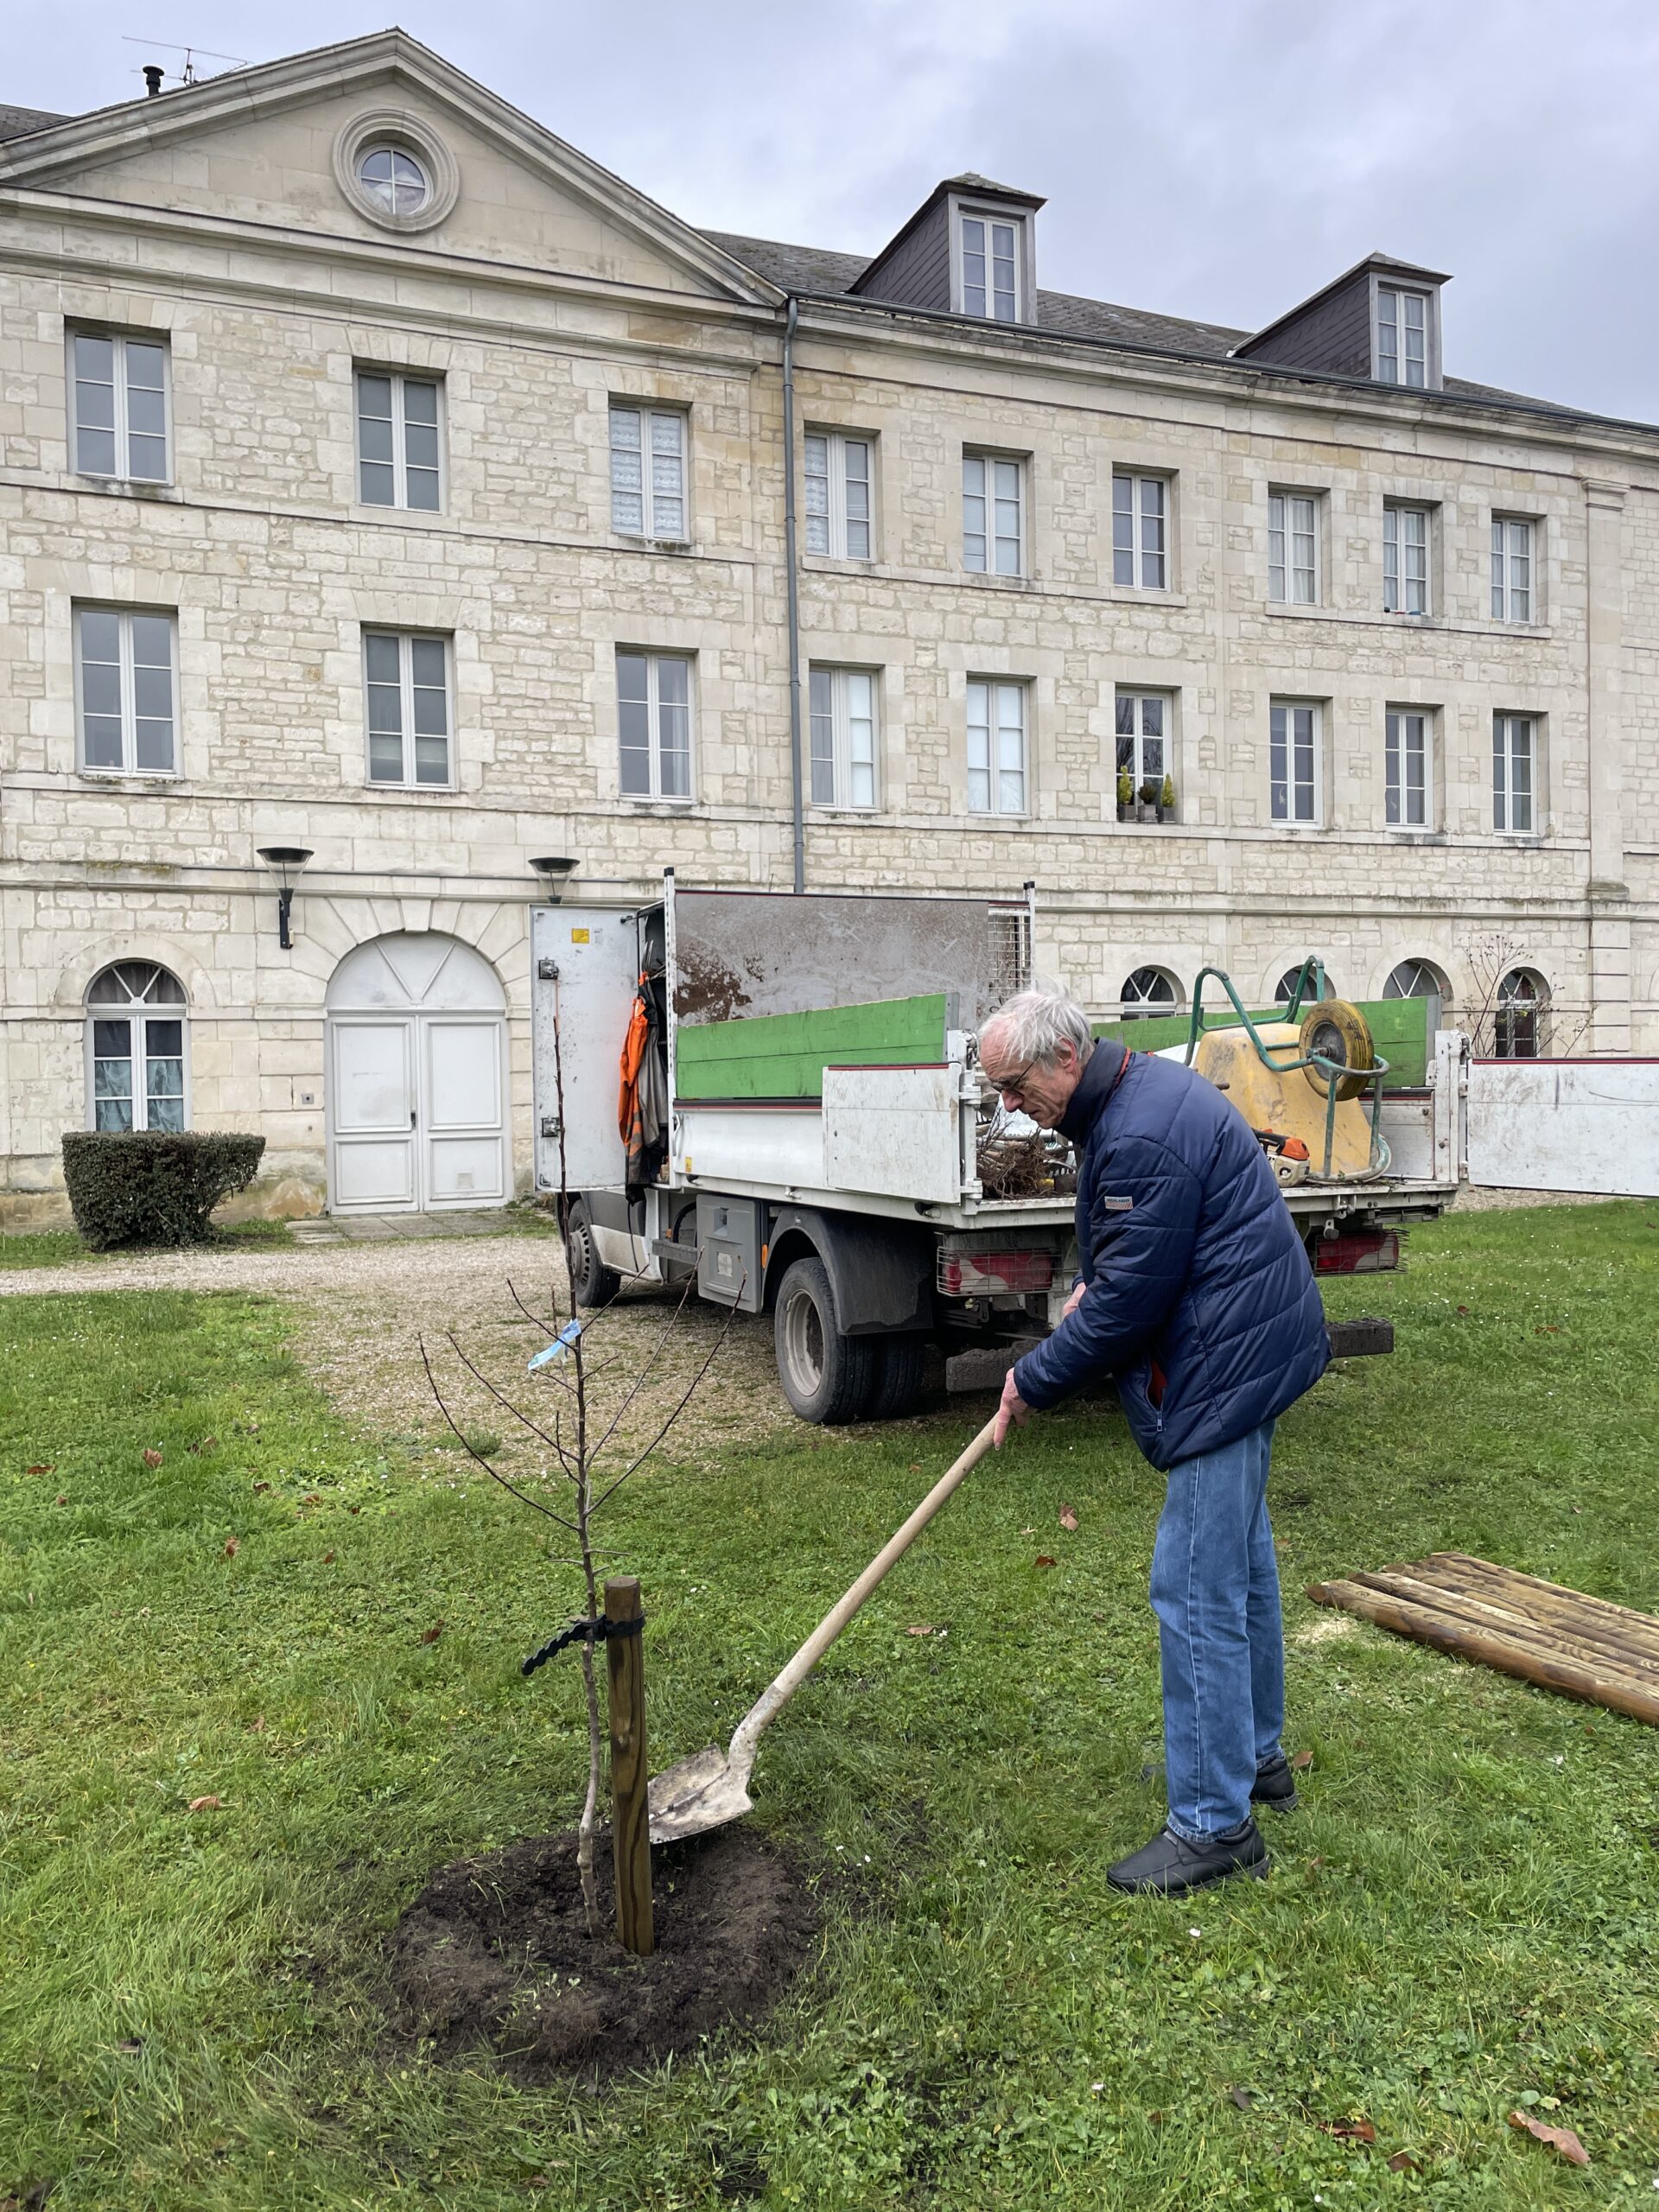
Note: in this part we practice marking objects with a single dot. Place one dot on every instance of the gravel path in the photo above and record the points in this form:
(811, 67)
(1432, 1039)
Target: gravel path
(361, 1310)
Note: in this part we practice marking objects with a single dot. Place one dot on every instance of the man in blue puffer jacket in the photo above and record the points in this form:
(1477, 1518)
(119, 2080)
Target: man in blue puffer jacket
(1196, 1296)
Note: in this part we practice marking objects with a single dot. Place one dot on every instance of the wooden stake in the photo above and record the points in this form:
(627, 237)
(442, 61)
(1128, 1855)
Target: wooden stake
(630, 1771)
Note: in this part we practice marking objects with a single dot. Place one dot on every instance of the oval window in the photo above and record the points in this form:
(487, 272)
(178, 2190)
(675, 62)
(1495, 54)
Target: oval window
(392, 178)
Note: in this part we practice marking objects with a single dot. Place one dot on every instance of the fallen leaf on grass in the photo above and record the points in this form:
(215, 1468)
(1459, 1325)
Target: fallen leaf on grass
(1565, 2144)
(915, 1467)
(1068, 1518)
(207, 1443)
(1243, 2099)
(1403, 2162)
(431, 1634)
(232, 1545)
(920, 1628)
(327, 1559)
(152, 1459)
(206, 1805)
(1348, 2131)
(311, 1498)
(258, 1726)
(42, 1467)
(1302, 1761)
(1043, 1559)
(259, 1486)
(60, 1499)
(129, 2044)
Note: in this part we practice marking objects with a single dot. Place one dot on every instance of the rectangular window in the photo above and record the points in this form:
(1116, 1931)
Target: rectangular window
(993, 523)
(1407, 766)
(1293, 761)
(653, 695)
(1401, 336)
(398, 463)
(996, 747)
(990, 281)
(1144, 729)
(147, 1047)
(838, 495)
(1511, 569)
(1514, 774)
(125, 677)
(118, 403)
(843, 736)
(1292, 548)
(408, 682)
(1405, 560)
(648, 471)
(1140, 524)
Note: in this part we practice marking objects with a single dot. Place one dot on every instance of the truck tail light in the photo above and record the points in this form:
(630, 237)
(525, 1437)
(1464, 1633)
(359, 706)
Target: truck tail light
(987, 1273)
(1358, 1252)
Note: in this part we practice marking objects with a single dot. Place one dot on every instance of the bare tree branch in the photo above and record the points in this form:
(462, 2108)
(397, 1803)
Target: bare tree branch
(501, 1398)
(652, 1357)
(610, 1488)
(524, 1496)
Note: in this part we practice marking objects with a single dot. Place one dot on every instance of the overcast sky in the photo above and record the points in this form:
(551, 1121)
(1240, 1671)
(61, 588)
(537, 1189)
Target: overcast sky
(1215, 158)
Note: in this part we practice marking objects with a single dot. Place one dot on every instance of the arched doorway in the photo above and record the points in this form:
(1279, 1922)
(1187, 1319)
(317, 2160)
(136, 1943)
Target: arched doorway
(417, 1059)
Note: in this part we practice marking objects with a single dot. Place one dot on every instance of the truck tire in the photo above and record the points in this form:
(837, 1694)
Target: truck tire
(591, 1283)
(826, 1377)
(897, 1381)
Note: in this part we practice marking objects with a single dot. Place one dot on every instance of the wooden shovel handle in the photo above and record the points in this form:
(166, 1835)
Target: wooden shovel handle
(772, 1700)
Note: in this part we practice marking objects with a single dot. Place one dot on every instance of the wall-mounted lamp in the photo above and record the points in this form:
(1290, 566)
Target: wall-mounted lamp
(555, 873)
(286, 863)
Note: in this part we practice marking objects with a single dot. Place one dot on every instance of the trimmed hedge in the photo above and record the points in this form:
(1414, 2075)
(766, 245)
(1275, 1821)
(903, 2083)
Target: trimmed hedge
(146, 1186)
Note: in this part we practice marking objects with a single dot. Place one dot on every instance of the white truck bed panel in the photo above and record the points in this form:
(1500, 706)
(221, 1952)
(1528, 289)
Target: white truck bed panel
(894, 1132)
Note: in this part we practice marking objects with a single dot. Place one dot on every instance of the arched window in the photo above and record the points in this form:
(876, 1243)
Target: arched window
(392, 178)
(1285, 987)
(1518, 1023)
(1149, 991)
(134, 1048)
(1420, 979)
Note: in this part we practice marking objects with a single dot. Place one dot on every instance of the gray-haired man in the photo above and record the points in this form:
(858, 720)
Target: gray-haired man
(1199, 1299)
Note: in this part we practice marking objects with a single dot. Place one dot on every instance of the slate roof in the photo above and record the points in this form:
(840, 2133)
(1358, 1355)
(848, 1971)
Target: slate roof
(814, 269)
(18, 122)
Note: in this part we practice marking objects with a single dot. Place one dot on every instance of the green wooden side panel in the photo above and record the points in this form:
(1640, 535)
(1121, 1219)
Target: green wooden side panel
(1400, 1027)
(784, 1055)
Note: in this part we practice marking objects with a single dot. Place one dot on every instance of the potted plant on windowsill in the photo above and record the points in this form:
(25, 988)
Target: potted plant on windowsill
(1125, 796)
(1167, 800)
(1150, 792)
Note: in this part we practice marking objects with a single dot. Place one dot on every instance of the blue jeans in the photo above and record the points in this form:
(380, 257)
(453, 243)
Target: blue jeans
(1214, 1589)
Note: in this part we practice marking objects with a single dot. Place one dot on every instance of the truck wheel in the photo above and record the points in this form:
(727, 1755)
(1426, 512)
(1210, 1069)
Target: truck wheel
(591, 1283)
(899, 1364)
(826, 1375)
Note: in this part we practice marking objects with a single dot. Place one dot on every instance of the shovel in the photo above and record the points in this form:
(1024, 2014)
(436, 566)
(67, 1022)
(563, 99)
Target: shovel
(712, 1787)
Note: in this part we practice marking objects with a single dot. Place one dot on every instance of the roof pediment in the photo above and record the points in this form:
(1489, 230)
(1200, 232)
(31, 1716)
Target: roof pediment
(264, 146)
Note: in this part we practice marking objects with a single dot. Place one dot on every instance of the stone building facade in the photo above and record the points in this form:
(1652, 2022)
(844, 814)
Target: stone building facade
(276, 279)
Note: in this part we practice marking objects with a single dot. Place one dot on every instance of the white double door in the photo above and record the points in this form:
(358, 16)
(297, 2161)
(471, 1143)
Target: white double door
(418, 1119)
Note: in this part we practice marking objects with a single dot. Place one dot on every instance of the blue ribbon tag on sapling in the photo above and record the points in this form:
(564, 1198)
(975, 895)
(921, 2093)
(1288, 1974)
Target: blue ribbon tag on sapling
(557, 1349)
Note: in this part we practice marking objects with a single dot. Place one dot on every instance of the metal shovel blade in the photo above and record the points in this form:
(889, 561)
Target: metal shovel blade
(702, 1792)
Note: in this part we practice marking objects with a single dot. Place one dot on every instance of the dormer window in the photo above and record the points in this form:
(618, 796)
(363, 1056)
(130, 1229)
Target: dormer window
(1402, 337)
(990, 267)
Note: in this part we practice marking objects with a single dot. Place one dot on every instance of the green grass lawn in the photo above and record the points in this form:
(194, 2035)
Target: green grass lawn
(56, 1248)
(1464, 1917)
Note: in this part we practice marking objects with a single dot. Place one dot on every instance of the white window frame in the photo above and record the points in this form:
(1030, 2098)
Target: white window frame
(400, 379)
(1397, 585)
(140, 1012)
(1397, 748)
(1138, 738)
(1292, 817)
(1140, 481)
(833, 695)
(650, 414)
(123, 472)
(993, 220)
(406, 687)
(996, 691)
(1285, 539)
(1505, 590)
(993, 498)
(1507, 801)
(124, 617)
(654, 663)
(1147, 1003)
(836, 526)
(1389, 320)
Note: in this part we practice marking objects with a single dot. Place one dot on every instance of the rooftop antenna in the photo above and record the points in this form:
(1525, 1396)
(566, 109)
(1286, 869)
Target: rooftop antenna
(153, 74)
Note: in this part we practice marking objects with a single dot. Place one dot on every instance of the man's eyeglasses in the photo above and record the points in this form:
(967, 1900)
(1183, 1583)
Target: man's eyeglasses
(1008, 1086)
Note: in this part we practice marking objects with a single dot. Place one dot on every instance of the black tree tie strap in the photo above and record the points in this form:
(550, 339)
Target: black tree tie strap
(595, 1631)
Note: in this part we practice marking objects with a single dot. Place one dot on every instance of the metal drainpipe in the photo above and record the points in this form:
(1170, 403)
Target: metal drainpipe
(798, 818)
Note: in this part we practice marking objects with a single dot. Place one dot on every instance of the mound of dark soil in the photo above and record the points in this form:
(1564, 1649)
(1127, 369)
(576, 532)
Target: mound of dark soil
(495, 1951)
